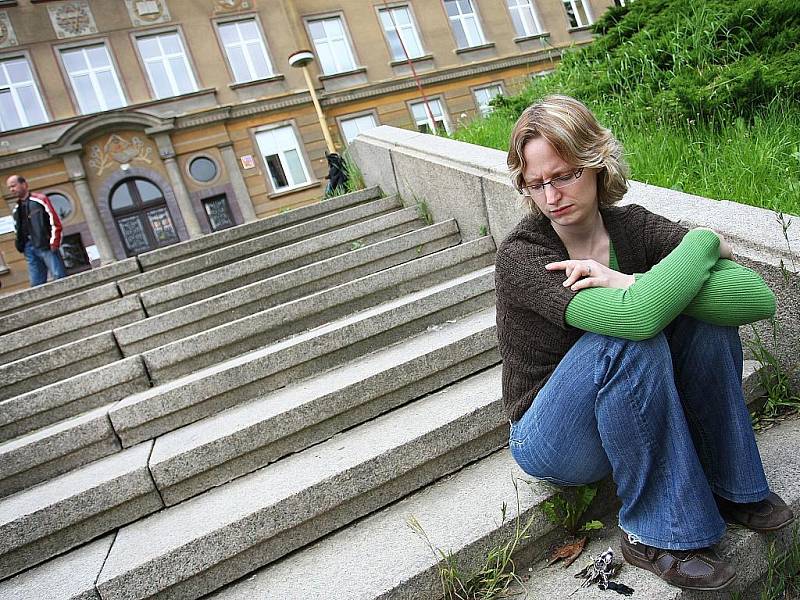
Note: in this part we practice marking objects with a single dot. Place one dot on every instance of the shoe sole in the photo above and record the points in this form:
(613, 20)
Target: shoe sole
(645, 564)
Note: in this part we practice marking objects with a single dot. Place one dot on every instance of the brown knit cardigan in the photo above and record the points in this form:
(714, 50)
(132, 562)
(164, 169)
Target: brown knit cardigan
(531, 302)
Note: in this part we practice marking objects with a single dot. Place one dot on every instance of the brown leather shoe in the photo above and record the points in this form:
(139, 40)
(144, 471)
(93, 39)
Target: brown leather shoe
(700, 569)
(767, 515)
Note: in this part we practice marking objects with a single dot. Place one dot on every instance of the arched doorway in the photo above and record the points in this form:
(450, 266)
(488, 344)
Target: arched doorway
(141, 214)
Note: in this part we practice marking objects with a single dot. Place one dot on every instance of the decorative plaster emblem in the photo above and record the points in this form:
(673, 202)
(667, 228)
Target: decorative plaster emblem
(118, 149)
(72, 19)
(7, 36)
(147, 12)
(231, 5)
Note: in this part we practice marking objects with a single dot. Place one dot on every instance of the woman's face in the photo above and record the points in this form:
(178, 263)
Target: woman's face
(570, 205)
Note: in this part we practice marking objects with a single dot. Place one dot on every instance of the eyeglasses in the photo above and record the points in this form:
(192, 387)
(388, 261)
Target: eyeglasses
(560, 182)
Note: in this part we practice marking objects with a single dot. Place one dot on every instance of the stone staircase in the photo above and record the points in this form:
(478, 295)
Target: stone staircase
(259, 412)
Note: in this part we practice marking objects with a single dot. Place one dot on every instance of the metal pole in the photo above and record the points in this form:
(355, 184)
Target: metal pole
(320, 115)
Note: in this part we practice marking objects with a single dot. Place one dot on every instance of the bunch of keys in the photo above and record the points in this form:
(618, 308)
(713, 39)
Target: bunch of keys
(600, 572)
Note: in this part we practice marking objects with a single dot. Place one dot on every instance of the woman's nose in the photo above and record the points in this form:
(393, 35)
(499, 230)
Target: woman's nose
(552, 194)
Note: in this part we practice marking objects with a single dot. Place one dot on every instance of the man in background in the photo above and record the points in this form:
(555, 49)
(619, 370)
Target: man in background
(38, 232)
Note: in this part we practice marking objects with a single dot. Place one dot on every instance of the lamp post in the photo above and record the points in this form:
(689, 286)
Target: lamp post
(301, 59)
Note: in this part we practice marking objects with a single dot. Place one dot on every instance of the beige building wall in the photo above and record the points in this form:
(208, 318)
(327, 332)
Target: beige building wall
(221, 120)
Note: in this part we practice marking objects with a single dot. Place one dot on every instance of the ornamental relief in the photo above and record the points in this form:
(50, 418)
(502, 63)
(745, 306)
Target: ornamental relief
(148, 12)
(121, 151)
(7, 36)
(222, 6)
(72, 19)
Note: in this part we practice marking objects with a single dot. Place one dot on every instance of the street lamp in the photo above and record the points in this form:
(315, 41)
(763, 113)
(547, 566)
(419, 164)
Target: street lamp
(301, 59)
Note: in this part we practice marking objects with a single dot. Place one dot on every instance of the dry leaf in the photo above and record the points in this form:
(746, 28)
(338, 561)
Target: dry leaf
(568, 552)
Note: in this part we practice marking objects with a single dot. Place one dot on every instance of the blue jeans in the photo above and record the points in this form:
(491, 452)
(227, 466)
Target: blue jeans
(665, 416)
(41, 261)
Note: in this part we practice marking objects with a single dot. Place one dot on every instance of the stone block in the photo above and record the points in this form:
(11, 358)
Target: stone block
(69, 328)
(68, 577)
(199, 545)
(182, 401)
(232, 235)
(40, 370)
(74, 508)
(210, 452)
(372, 152)
(73, 396)
(260, 329)
(51, 451)
(60, 306)
(253, 246)
(67, 286)
(305, 252)
(224, 308)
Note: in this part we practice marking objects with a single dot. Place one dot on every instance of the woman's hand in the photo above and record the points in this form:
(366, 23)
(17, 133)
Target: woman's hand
(725, 250)
(582, 274)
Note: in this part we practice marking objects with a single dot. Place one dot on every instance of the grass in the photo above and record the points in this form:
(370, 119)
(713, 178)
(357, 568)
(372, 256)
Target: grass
(782, 580)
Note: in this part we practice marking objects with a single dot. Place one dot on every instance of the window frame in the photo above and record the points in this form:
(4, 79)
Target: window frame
(586, 9)
(304, 160)
(380, 8)
(443, 107)
(308, 19)
(263, 43)
(187, 57)
(534, 12)
(482, 42)
(83, 44)
(485, 86)
(340, 119)
(25, 55)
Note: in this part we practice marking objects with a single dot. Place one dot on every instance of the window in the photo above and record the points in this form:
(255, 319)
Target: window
(61, 204)
(577, 13)
(423, 120)
(282, 157)
(526, 21)
(246, 51)
(166, 64)
(332, 45)
(401, 33)
(202, 169)
(354, 125)
(465, 23)
(619, 3)
(218, 212)
(484, 95)
(20, 102)
(74, 253)
(93, 78)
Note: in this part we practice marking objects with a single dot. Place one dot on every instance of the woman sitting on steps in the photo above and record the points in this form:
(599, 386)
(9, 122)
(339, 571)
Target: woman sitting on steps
(621, 354)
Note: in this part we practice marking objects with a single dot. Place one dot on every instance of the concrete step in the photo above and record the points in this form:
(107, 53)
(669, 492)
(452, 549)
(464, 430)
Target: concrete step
(51, 451)
(72, 509)
(69, 328)
(67, 398)
(199, 545)
(226, 237)
(279, 260)
(61, 288)
(39, 370)
(47, 310)
(210, 452)
(182, 322)
(68, 577)
(266, 327)
(382, 557)
(235, 252)
(181, 401)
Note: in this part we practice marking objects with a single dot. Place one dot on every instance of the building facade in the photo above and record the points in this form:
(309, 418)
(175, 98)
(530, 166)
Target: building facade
(148, 122)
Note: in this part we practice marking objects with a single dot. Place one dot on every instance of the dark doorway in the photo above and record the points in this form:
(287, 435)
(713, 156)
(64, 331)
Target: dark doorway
(142, 216)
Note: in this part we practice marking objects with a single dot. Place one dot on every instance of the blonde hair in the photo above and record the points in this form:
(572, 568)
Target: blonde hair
(577, 137)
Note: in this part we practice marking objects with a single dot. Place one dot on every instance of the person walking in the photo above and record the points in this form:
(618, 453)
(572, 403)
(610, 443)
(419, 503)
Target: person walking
(38, 230)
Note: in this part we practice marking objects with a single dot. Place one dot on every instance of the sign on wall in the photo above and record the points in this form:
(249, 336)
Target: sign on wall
(72, 19)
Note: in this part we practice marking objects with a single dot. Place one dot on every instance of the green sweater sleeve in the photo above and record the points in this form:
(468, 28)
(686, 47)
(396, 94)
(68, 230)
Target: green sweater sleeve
(733, 295)
(657, 297)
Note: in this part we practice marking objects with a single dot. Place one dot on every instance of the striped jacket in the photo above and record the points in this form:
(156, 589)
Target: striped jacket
(44, 225)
